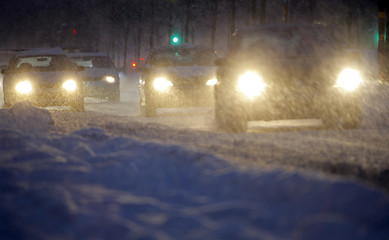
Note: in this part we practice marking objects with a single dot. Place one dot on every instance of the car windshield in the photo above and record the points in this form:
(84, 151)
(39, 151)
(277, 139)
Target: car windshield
(183, 57)
(43, 63)
(287, 43)
(93, 61)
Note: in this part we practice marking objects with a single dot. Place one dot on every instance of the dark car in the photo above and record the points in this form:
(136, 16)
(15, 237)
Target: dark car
(45, 77)
(101, 79)
(287, 71)
(177, 76)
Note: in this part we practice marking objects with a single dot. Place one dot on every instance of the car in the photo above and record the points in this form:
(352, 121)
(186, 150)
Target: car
(177, 77)
(45, 77)
(288, 71)
(101, 79)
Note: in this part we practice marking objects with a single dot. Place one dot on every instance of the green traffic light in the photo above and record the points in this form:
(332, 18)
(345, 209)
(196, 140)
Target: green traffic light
(175, 40)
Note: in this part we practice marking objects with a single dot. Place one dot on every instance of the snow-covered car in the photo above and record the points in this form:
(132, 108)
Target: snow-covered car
(101, 79)
(45, 77)
(288, 71)
(177, 76)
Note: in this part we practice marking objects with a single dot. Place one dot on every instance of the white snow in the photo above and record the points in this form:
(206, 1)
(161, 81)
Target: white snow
(92, 184)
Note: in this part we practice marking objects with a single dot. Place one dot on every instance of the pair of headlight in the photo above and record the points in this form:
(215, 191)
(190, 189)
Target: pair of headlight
(252, 85)
(162, 84)
(25, 87)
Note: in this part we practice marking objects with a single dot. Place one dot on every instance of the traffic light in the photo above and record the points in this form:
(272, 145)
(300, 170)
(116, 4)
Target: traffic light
(175, 38)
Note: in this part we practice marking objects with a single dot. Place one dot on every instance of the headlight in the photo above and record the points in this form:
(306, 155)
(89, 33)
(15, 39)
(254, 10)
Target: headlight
(349, 79)
(70, 85)
(251, 84)
(110, 79)
(161, 84)
(211, 82)
(23, 87)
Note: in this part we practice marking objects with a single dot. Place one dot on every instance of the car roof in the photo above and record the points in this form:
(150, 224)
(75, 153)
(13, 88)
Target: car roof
(87, 54)
(38, 52)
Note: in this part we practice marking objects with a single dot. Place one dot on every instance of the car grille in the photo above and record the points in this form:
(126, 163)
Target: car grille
(92, 79)
(49, 85)
(191, 81)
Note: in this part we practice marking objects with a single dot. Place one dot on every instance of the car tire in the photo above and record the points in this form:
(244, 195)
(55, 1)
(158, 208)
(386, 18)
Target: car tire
(351, 118)
(7, 102)
(78, 106)
(148, 110)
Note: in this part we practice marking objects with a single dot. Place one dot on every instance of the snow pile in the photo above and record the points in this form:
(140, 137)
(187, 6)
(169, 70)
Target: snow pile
(26, 118)
(91, 185)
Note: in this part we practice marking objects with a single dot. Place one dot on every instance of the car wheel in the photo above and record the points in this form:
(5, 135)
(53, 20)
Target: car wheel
(229, 120)
(78, 106)
(352, 118)
(148, 110)
(7, 101)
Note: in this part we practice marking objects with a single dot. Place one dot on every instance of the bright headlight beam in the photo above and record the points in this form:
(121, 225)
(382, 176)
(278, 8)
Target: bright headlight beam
(211, 82)
(162, 84)
(69, 85)
(23, 87)
(110, 79)
(349, 79)
(251, 84)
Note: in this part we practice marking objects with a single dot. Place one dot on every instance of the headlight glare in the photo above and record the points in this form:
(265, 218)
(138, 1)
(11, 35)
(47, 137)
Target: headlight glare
(211, 82)
(23, 87)
(162, 84)
(251, 84)
(110, 79)
(70, 85)
(349, 79)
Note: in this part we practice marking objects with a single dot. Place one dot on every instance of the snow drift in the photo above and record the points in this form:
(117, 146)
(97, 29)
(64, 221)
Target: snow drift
(92, 185)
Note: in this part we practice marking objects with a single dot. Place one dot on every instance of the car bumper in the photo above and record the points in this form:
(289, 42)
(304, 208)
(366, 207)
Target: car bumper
(183, 97)
(297, 105)
(46, 97)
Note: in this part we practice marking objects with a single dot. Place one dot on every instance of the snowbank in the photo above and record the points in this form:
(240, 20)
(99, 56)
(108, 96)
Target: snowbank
(92, 185)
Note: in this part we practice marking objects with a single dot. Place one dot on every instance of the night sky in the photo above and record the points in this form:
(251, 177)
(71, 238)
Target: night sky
(107, 25)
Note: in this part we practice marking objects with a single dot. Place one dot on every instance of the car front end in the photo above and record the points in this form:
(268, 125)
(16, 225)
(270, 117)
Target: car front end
(179, 91)
(279, 90)
(43, 89)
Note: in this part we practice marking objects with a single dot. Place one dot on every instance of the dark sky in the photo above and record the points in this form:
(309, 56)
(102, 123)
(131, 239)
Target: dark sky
(102, 23)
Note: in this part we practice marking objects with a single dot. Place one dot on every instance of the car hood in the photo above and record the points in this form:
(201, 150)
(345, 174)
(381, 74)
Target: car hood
(98, 72)
(187, 71)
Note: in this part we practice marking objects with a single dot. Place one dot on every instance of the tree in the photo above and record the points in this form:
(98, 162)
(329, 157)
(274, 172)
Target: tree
(214, 22)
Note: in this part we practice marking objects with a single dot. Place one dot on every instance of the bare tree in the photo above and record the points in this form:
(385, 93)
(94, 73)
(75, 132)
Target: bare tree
(214, 22)
(188, 19)
(253, 12)
(263, 11)
(232, 20)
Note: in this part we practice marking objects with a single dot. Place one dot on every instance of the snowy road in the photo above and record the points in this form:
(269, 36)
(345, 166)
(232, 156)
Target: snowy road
(108, 173)
(298, 144)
